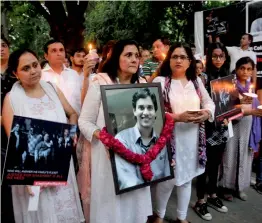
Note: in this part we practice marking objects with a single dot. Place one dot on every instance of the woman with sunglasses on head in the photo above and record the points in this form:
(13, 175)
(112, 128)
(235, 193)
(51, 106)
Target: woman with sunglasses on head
(217, 66)
(184, 95)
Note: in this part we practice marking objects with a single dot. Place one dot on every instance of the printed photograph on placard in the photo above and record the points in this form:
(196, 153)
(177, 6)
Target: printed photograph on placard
(225, 97)
(134, 114)
(38, 151)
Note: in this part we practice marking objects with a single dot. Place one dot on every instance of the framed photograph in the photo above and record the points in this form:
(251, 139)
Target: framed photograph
(225, 97)
(134, 114)
(39, 152)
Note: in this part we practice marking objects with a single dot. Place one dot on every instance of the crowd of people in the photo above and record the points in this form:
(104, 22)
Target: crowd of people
(54, 91)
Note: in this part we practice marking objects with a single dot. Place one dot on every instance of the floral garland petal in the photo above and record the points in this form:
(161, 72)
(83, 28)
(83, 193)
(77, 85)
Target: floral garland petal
(143, 160)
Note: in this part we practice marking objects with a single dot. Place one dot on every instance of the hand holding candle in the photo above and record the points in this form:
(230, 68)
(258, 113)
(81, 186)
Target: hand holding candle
(250, 92)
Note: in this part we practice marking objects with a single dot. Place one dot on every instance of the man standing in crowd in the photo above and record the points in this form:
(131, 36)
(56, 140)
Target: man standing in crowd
(160, 49)
(145, 55)
(7, 81)
(244, 50)
(65, 78)
(77, 60)
(197, 56)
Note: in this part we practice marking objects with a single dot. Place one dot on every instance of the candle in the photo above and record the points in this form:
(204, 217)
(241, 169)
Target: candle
(250, 89)
(163, 55)
(90, 47)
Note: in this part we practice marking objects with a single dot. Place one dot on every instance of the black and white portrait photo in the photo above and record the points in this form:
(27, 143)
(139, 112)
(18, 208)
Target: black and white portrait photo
(225, 96)
(254, 16)
(136, 120)
(38, 150)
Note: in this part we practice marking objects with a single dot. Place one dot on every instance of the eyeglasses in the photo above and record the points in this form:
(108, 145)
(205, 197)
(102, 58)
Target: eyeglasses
(216, 57)
(182, 57)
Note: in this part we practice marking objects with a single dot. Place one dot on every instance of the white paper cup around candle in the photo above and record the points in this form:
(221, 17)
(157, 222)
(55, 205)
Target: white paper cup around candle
(252, 95)
(259, 107)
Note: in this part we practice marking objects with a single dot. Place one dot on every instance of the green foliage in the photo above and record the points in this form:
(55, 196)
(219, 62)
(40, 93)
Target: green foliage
(26, 28)
(121, 20)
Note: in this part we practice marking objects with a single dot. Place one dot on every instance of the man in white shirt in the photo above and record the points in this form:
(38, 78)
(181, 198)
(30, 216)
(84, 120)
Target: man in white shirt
(236, 53)
(65, 78)
(77, 60)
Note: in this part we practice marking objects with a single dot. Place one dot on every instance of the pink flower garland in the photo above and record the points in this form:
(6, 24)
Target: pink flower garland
(143, 160)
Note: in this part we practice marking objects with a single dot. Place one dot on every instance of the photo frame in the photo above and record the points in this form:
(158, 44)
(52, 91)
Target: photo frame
(132, 111)
(39, 152)
(226, 99)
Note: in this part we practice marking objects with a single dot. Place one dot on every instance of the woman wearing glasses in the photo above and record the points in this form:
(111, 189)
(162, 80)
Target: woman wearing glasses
(217, 66)
(184, 95)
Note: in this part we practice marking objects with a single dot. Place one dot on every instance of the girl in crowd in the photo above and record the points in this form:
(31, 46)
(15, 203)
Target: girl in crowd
(217, 66)
(184, 94)
(200, 73)
(121, 68)
(59, 203)
(237, 173)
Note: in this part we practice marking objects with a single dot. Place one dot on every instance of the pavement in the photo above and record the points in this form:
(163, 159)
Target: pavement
(239, 211)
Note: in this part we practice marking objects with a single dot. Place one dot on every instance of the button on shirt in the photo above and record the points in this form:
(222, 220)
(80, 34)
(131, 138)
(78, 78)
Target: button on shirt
(128, 174)
(236, 53)
(68, 82)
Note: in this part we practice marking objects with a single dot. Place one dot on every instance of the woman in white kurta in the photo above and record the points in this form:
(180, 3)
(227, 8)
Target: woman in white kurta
(106, 206)
(33, 98)
(178, 70)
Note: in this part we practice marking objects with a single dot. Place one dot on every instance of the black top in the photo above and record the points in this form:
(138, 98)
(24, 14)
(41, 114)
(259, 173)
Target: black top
(215, 134)
(7, 82)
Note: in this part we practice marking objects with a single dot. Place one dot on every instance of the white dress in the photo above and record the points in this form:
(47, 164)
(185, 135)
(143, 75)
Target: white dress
(186, 134)
(60, 204)
(106, 206)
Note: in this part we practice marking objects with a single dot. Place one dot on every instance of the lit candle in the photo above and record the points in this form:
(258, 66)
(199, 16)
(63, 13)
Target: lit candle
(250, 92)
(90, 47)
(163, 55)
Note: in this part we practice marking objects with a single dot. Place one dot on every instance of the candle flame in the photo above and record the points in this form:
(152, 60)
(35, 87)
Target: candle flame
(90, 46)
(163, 55)
(251, 88)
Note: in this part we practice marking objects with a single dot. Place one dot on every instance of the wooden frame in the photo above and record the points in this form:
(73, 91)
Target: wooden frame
(120, 117)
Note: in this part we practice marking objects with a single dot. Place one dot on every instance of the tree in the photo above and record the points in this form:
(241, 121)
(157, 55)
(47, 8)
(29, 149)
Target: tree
(66, 20)
(121, 20)
(24, 27)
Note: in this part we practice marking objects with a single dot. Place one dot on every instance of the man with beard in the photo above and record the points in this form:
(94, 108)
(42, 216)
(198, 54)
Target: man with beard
(56, 72)
(77, 60)
(140, 139)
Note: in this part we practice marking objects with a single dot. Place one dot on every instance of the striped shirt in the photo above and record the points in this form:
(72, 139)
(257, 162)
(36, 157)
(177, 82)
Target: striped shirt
(150, 67)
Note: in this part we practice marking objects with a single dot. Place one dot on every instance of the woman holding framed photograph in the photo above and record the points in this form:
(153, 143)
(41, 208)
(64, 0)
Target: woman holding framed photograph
(120, 68)
(184, 95)
(33, 98)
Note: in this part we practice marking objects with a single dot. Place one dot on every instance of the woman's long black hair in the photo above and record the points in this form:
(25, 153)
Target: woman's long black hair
(210, 68)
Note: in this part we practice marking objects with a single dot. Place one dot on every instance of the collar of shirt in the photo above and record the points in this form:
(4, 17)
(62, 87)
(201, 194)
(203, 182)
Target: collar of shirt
(240, 49)
(137, 136)
(48, 68)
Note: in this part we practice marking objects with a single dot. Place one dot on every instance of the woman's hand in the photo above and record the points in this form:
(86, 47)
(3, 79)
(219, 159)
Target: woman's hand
(246, 100)
(184, 117)
(29, 190)
(96, 134)
(202, 116)
(90, 62)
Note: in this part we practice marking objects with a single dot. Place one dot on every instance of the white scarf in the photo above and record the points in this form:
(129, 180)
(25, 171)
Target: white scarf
(18, 100)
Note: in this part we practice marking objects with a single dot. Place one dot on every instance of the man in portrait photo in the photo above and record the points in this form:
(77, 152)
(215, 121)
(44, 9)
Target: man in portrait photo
(140, 139)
